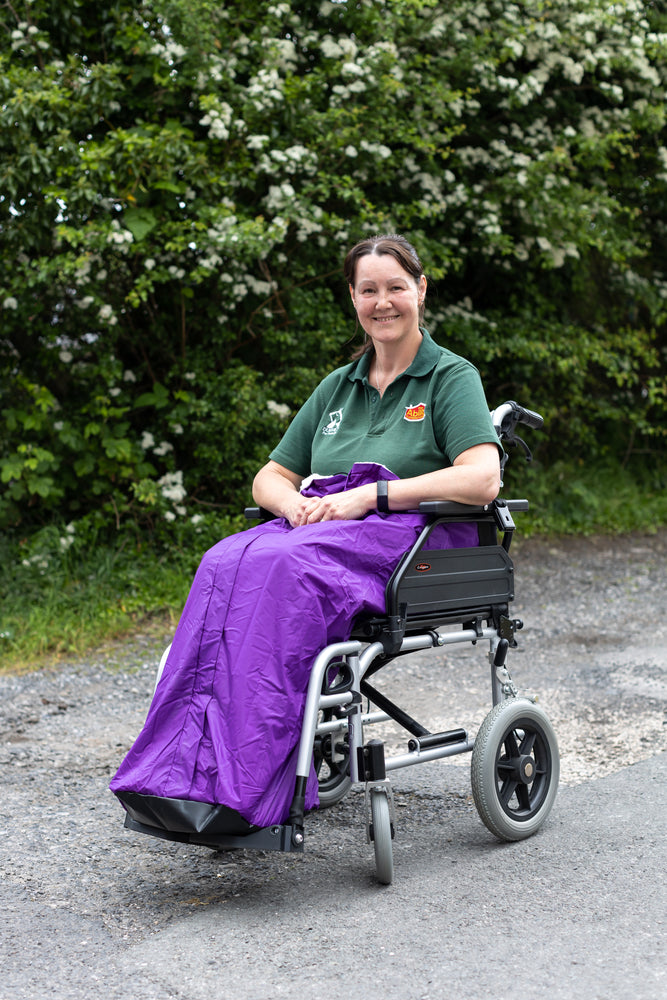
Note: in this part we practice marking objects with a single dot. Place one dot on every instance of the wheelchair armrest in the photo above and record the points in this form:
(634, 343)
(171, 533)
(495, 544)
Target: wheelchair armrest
(258, 514)
(448, 508)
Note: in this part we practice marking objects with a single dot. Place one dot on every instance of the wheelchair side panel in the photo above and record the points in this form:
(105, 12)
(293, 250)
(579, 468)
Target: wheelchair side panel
(453, 579)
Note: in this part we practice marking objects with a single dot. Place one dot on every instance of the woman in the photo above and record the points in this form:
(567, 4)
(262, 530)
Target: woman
(405, 422)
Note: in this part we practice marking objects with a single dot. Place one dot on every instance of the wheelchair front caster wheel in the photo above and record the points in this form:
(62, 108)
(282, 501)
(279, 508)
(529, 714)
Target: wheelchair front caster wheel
(381, 836)
(515, 769)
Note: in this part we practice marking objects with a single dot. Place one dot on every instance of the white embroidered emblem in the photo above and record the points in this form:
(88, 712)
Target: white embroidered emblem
(335, 419)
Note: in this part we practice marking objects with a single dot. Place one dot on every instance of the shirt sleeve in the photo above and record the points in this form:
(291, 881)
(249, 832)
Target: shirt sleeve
(294, 450)
(461, 412)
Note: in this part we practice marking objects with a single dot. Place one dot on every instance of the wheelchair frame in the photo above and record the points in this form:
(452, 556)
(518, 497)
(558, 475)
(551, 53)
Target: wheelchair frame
(515, 761)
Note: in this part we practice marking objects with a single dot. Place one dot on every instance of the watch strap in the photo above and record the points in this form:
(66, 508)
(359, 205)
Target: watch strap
(383, 496)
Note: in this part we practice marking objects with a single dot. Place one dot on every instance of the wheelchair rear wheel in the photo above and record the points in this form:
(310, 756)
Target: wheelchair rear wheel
(515, 768)
(331, 757)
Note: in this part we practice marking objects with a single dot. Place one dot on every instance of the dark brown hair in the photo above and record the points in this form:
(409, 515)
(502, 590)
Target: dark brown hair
(395, 246)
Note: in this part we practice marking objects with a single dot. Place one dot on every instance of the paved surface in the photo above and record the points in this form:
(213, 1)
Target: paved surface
(90, 910)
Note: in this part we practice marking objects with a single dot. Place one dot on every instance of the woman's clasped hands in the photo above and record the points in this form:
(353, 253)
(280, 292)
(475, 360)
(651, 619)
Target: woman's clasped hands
(347, 506)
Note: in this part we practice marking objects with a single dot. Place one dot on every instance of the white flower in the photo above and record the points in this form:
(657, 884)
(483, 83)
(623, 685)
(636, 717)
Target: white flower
(196, 518)
(280, 409)
(10, 303)
(65, 356)
(114, 392)
(330, 48)
(147, 440)
(163, 449)
(171, 486)
(257, 141)
(169, 515)
(149, 263)
(129, 376)
(218, 130)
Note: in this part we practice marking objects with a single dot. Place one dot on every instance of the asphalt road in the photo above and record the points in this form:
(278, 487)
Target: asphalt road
(90, 910)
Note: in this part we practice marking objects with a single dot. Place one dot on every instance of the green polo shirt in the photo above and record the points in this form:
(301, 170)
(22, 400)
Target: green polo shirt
(432, 412)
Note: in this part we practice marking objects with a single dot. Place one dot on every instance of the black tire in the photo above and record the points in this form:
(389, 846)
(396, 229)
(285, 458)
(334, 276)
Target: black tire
(333, 770)
(381, 836)
(515, 769)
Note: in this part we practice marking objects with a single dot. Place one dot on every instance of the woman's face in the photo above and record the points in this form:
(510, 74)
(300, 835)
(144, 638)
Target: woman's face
(387, 299)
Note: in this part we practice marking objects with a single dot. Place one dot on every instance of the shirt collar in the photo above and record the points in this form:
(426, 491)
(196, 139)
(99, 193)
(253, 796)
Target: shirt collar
(424, 361)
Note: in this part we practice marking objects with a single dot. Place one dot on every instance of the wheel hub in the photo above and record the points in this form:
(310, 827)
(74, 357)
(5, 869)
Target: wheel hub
(525, 769)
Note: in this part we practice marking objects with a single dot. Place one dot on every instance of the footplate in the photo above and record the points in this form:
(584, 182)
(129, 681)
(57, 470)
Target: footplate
(269, 838)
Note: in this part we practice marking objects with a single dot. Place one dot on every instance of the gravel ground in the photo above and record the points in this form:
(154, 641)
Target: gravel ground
(78, 891)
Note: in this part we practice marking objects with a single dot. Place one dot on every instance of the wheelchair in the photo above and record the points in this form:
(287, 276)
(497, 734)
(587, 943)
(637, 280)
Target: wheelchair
(434, 598)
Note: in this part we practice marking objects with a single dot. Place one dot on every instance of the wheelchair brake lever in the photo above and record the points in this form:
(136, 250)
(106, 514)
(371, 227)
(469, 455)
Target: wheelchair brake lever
(514, 440)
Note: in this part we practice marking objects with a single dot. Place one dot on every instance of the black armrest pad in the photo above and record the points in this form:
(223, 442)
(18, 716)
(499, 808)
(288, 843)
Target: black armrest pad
(444, 508)
(258, 514)
(447, 508)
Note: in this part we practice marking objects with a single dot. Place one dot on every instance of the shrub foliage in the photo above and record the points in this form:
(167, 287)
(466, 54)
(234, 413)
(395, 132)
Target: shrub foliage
(181, 179)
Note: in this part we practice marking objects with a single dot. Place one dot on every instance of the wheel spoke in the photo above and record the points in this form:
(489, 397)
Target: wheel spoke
(507, 790)
(523, 796)
(528, 743)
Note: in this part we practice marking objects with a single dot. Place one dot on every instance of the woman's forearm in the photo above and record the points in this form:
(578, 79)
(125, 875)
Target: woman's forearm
(473, 480)
(275, 488)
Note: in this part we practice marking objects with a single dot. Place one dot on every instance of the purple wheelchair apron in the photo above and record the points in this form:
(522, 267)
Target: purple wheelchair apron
(224, 726)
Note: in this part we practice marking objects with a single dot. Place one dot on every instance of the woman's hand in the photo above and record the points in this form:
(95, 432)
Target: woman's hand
(277, 489)
(348, 506)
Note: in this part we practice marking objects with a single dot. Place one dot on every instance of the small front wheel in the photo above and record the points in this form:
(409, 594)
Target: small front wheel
(381, 836)
(515, 769)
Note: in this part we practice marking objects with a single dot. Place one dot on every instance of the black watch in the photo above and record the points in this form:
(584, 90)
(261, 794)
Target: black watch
(383, 496)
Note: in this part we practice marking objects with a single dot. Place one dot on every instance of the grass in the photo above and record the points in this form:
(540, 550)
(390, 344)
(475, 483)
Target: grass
(65, 613)
(60, 601)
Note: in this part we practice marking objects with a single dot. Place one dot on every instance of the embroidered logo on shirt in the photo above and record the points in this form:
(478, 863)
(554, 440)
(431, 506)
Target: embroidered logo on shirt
(335, 419)
(415, 412)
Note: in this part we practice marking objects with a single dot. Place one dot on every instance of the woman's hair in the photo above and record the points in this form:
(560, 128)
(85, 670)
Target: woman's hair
(398, 248)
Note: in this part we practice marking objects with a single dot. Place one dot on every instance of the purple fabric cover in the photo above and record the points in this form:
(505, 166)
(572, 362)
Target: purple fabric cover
(225, 721)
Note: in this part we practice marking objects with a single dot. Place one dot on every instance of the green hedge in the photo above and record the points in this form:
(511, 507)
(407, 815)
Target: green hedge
(181, 178)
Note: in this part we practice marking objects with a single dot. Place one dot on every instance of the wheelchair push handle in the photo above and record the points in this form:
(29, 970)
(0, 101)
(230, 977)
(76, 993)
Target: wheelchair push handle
(506, 417)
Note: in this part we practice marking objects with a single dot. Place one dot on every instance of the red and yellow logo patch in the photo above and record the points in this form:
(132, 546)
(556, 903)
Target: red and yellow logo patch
(415, 412)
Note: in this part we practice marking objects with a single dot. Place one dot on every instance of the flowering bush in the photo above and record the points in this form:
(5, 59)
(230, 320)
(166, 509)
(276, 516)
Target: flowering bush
(181, 179)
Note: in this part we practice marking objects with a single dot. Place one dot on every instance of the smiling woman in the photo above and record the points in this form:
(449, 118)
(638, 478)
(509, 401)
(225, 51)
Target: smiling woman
(402, 405)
